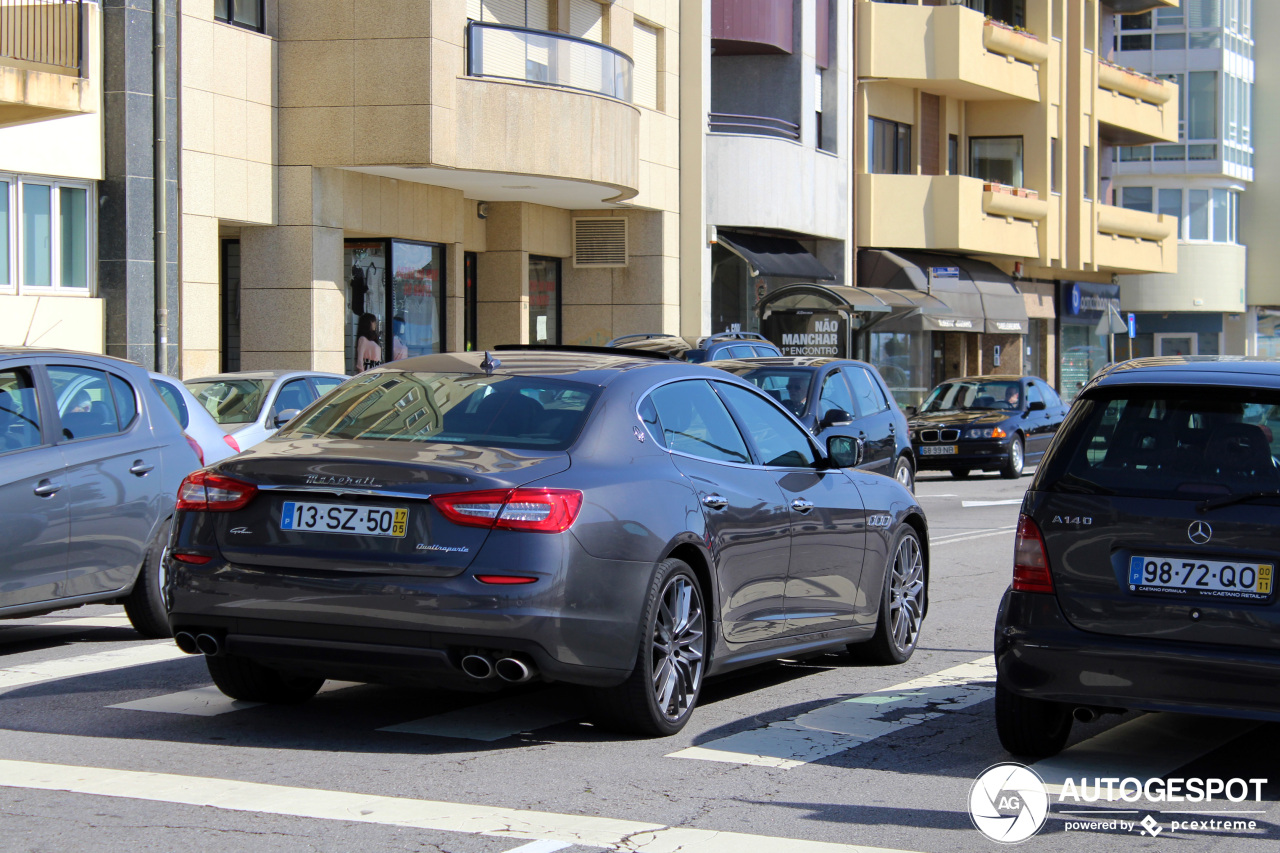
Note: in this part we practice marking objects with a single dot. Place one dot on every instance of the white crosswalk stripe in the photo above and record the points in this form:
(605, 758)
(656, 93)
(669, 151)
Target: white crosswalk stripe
(137, 654)
(843, 725)
(491, 821)
(205, 701)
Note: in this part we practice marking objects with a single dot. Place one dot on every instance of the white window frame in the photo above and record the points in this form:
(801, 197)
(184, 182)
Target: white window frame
(14, 236)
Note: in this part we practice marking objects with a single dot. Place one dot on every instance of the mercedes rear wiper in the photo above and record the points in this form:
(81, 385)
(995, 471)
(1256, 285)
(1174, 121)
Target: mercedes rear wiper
(1228, 500)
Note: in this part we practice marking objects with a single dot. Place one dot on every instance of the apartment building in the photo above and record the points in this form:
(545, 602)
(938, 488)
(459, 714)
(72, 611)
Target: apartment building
(984, 131)
(1260, 205)
(51, 160)
(1207, 48)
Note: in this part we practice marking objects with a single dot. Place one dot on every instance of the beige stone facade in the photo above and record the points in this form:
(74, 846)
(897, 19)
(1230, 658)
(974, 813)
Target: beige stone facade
(349, 120)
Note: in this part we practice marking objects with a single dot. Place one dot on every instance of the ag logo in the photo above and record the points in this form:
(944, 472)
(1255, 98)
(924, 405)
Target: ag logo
(1008, 803)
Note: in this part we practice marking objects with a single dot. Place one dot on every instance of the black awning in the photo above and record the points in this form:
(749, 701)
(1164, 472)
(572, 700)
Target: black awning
(777, 256)
(824, 297)
(908, 272)
(1002, 305)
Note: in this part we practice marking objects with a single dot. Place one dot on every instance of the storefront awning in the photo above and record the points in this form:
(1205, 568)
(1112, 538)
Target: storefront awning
(908, 274)
(824, 297)
(776, 256)
(1003, 306)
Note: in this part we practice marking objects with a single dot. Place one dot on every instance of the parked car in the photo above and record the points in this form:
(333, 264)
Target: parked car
(214, 444)
(1145, 563)
(609, 520)
(838, 397)
(987, 423)
(252, 404)
(90, 464)
(698, 350)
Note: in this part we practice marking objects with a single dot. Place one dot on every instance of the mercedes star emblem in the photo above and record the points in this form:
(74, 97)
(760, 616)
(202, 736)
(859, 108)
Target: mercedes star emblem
(1199, 532)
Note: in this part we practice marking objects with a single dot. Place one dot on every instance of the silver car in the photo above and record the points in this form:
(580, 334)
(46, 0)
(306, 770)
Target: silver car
(195, 420)
(251, 405)
(90, 465)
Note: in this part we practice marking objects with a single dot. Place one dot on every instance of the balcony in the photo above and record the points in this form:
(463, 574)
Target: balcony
(948, 213)
(773, 182)
(537, 56)
(948, 50)
(1135, 108)
(42, 66)
(1133, 241)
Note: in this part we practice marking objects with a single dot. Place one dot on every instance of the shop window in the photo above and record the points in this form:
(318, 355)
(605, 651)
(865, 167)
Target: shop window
(241, 13)
(395, 301)
(996, 159)
(890, 149)
(46, 236)
(229, 294)
(544, 300)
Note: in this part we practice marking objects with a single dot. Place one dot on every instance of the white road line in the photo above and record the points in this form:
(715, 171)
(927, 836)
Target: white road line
(136, 654)
(1148, 747)
(1011, 502)
(921, 495)
(205, 701)
(541, 847)
(970, 534)
(79, 622)
(624, 836)
(496, 720)
(843, 725)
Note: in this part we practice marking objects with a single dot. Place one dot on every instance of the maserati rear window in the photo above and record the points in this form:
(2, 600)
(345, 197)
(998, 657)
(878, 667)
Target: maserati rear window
(1183, 441)
(525, 412)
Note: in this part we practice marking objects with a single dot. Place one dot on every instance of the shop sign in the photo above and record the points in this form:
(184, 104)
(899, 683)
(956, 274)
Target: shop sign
(1086, 302)
(808, 333)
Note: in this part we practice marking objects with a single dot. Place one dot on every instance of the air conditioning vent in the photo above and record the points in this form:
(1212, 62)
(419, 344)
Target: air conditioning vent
(600, 242)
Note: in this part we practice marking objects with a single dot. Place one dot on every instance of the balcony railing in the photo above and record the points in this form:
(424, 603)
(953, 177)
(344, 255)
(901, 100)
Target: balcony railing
(553, 59)
(754, 125)
(43, 32)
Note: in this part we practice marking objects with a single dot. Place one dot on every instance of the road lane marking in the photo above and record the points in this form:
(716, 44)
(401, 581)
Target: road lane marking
(852, 722)
(1012, 502)
(78, 622)
(137, 654)
(496, 720)
(1149, 747)
(624, 836)
(205, 701)
(970, 534)
(541, 847)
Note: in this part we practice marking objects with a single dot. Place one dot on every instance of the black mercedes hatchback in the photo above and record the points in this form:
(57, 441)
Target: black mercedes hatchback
(1144, 565)
(609, 520)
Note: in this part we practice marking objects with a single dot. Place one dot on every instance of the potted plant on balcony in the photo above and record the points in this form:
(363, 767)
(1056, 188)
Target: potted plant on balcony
(1009, 40)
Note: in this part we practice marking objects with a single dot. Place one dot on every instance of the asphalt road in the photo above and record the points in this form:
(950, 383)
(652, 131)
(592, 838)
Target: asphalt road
(112, 743)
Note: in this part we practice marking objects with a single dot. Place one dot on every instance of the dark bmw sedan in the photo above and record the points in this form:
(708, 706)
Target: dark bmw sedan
(1145, 560)
(607, 520)
(986, 423)
(834, 396)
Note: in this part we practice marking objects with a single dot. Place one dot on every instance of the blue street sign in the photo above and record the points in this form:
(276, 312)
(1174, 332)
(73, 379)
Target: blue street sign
(944, 272)
(1133, 326)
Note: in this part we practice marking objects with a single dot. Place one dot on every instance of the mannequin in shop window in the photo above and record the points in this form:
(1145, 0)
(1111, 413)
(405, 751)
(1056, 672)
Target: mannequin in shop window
(368, 345)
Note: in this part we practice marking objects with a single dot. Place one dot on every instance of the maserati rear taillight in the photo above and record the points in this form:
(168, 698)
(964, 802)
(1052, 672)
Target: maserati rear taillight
(1030, 563)
(231, 442)
(536, 510)
(205, 492)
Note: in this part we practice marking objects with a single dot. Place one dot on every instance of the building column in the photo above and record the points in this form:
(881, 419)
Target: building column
(502, 276)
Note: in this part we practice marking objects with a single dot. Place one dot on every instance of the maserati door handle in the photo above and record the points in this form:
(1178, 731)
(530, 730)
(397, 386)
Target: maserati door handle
(47, 489)
(141, 468)
(802, 506)
(714, 502)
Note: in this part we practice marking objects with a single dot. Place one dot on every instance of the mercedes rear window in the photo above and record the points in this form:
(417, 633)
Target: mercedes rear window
(1192, 442)
(519, 412)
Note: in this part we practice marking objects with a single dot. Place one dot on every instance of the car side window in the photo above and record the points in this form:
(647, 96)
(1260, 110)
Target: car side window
(696, 422)
(294, 395)
(1033, 393)
(126, 401)
(866, 393)
(325, 384)
(739, 351)
(173, 402)
(649, 415)
(85, 403)
(19, 411)
(1051, 398)
(835, 395)
(780, 441)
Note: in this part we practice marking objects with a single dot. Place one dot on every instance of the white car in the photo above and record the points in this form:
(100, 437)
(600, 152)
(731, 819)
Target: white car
(251, 405)
(198, 424)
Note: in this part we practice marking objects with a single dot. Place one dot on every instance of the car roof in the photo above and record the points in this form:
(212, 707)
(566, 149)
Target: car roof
(34, 351)
(1191, 370)
(1004, 377)
(783, 361)
(592, 368)
(261, 374)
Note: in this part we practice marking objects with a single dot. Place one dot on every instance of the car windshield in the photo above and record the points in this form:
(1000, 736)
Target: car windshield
(523, 412)
(1191, 442)
(788, 386)
(230, 401)
(973, 394)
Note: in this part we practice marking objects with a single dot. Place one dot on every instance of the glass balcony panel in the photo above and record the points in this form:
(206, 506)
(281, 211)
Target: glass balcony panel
(516, 53)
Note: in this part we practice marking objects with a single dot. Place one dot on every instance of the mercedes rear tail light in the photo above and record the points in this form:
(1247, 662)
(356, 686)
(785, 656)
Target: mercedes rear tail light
(205, 492)
(1030, 562)
(536, 510)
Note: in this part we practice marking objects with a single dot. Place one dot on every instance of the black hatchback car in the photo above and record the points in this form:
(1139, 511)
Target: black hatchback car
(1145, 564)
(986, 423)
(838, 397)
(610, 520)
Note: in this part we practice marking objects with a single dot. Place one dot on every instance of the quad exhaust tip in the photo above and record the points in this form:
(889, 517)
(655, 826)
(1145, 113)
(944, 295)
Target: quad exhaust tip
(186, 642)
(1085, 715)
(208, 645)
(514, 670)
(478, 667)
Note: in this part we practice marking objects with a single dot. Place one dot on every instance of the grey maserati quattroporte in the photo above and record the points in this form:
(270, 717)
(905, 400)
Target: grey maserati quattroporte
(606, 519)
